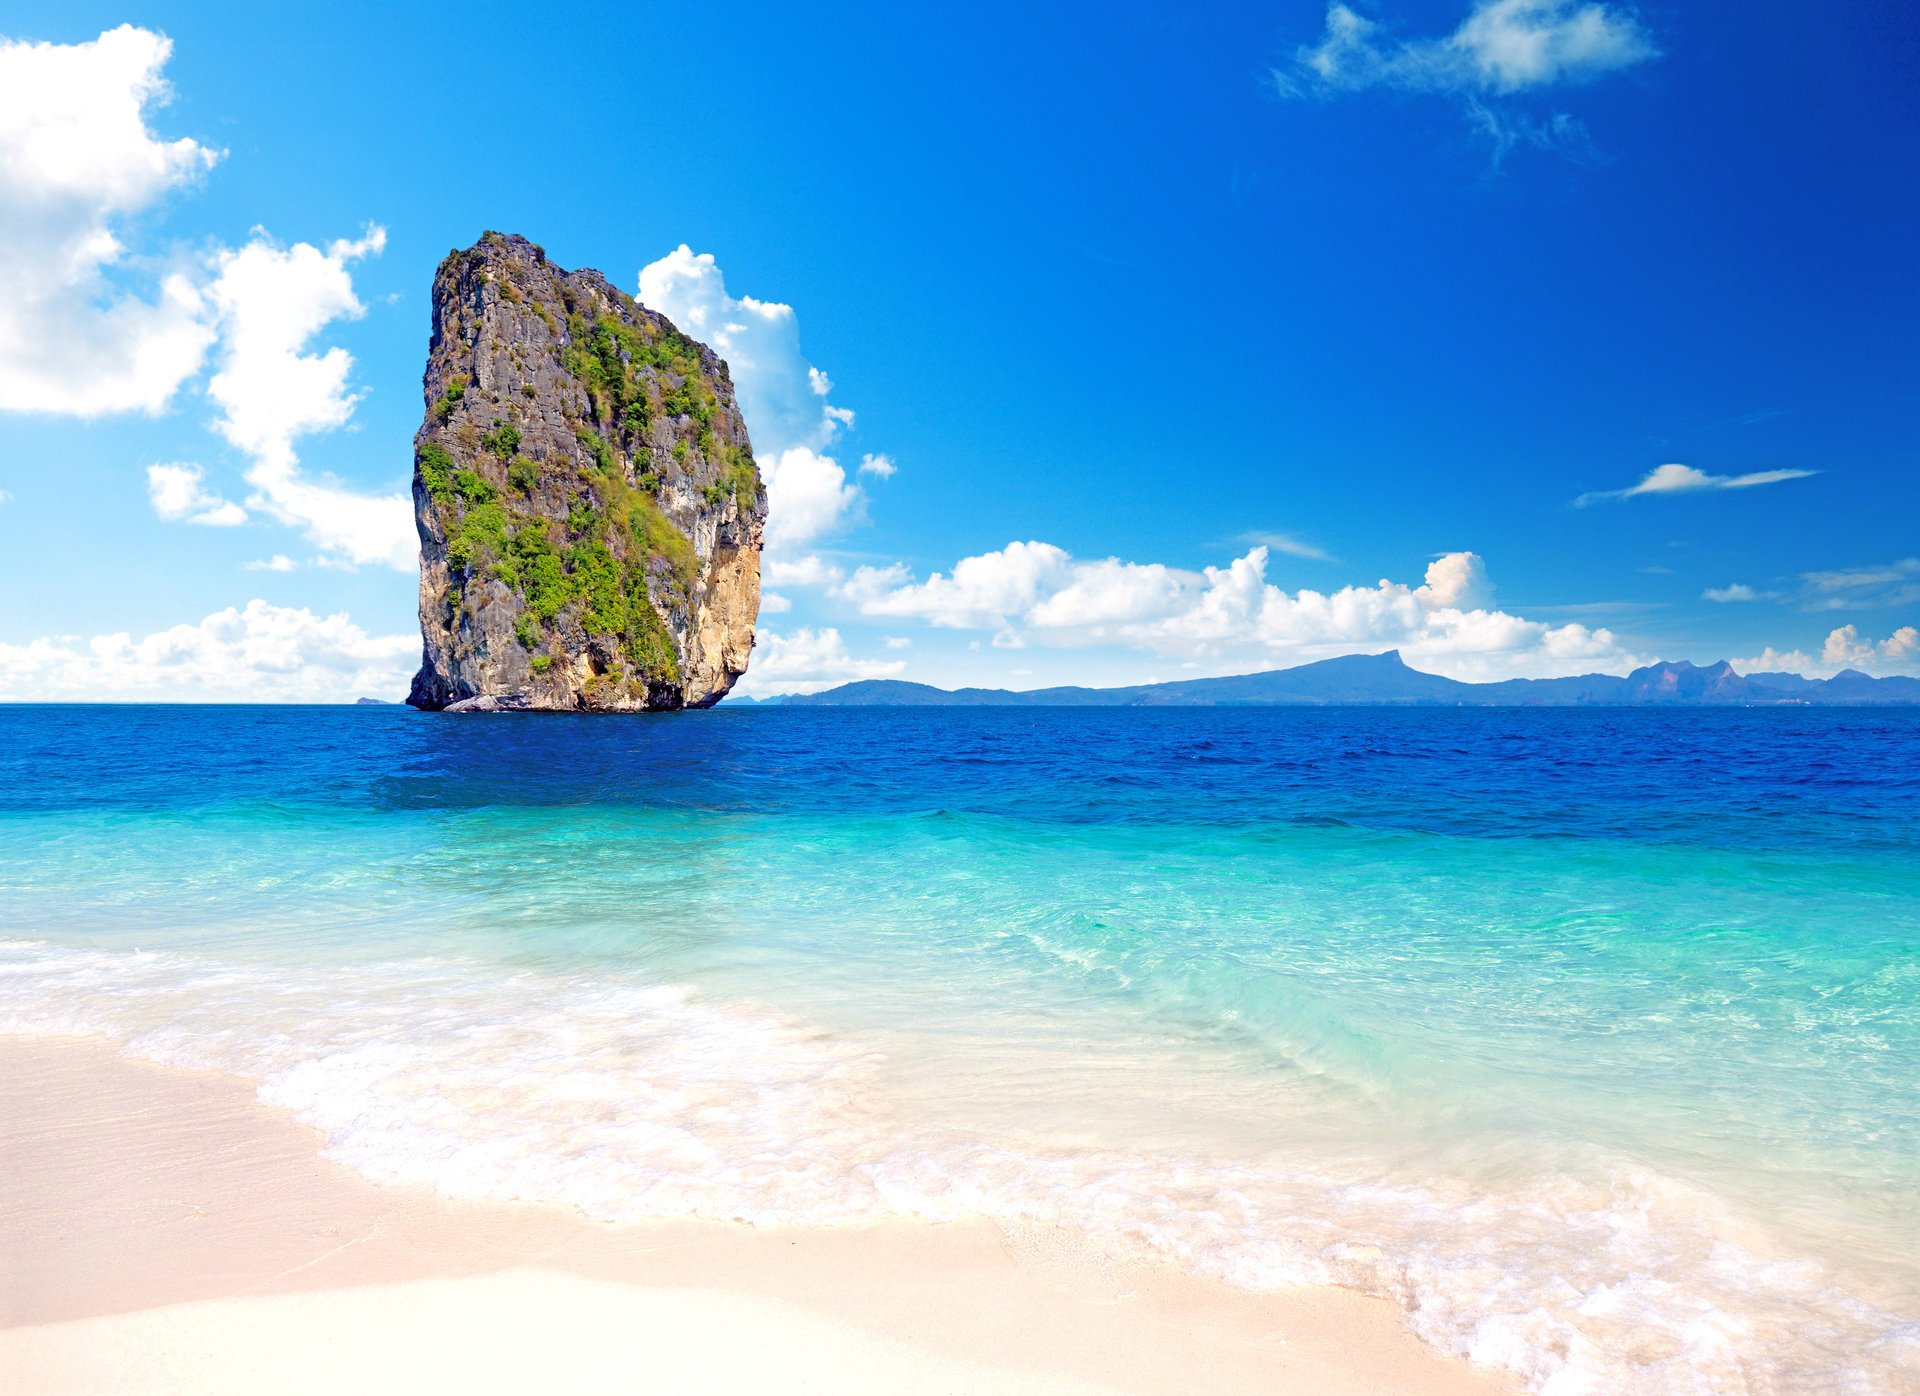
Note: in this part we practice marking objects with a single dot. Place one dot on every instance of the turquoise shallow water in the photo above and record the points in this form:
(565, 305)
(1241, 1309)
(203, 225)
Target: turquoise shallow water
(1590, 1038)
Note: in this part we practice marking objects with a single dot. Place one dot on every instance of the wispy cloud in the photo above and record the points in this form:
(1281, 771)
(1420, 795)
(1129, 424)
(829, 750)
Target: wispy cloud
(1287, 543)
(1737, 591)
(1685, 479)
(1508, 131)
(1502, 48)
(1886, 584)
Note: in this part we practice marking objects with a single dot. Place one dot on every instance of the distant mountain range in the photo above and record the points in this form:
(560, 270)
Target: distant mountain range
(1385, 679)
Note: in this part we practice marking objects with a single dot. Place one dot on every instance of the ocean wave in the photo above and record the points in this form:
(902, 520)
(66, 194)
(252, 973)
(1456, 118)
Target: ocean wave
(636, 1101)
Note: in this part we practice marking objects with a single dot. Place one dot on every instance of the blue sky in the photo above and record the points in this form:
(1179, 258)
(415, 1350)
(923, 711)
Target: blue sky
(1508, 332)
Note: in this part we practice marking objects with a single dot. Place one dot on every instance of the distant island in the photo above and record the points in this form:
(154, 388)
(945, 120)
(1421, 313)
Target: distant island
(1385, 680)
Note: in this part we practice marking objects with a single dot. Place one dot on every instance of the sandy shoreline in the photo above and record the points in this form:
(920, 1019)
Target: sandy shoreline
(161, 1230)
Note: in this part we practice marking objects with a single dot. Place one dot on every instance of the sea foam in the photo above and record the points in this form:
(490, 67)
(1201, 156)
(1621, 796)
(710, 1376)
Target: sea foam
(635, 1101)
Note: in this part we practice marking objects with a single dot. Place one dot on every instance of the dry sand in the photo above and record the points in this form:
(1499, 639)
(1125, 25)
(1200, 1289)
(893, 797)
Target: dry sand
(163, 1231)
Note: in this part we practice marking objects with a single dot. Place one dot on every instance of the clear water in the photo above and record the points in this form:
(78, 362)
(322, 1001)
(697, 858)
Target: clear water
(1592, 1039)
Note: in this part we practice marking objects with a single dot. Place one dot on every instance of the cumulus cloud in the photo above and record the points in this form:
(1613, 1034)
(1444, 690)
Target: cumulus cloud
(1773, 661)
(782, 396)
(254, 653)
(1034, 592)
(1685, 479)
(772, 603)
(1899, 653)
(808, 571)
(880, 465)
(279, 562)
(981, 592)
(1845, 648)
(179, 494)
(807, 660)
(272, 388)
(807, 497)
(1502, 46)
(77, 160)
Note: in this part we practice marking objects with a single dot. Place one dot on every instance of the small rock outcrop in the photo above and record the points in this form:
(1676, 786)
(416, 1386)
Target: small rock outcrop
(589, 510)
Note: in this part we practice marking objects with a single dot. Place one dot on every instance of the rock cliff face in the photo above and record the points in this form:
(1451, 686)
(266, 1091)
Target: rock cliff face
(590, 515)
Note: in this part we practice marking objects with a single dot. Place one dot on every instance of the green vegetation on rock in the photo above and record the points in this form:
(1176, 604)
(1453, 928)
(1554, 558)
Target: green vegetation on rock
(541, 574)
(472, 487)
(597, 447)
(436, 470)
(479, 540)
(456, 389)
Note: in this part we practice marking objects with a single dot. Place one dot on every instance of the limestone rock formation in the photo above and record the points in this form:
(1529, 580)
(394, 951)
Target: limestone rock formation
(589, 510)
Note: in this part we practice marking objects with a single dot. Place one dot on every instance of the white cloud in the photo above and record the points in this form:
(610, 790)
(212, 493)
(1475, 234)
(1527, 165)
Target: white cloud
(808, 571)
(1288, 544)
(1856, 578)
(1685, 479)
(1886, 584)
(178, 493)
(5, 497)
(255, 653)
(1899, 653)
(272, 301)
(1737, 591)
(1845, 648)
(1034, 592)
(782, 396)
(983, 592)
(77, 161)
(897, 642)
(772, 603)
(279, 562)
(807, 496)
(880, 465)
(807, 660)
(1502, 47)
(1773, 661)
(1507, 131)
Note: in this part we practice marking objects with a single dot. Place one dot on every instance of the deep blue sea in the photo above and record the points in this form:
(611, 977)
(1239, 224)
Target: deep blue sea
(1590, 1038)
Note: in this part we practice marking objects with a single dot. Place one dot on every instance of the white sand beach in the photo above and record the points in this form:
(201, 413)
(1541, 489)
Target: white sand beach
(163, 1231)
